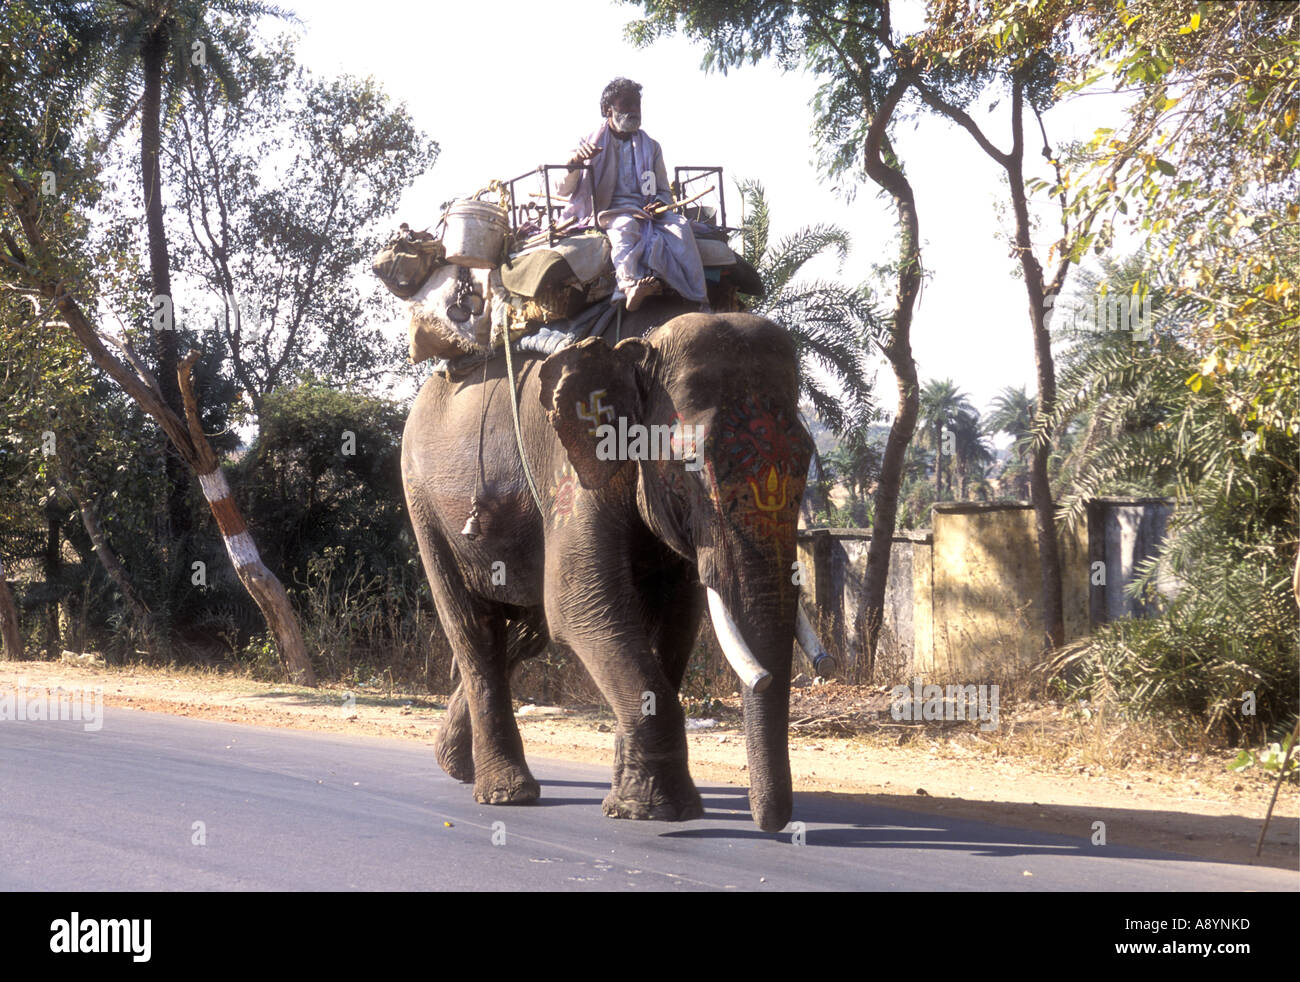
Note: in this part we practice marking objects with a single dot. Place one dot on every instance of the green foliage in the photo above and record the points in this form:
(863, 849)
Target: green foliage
(281, 198)
(1271, 759)
(125, 31)
(841, 42)
(916, 499)
(827, 320)
(1208, 164)
(45, 63)
(1232, 622)
(359, 628)
(323, 478)
(1194, 662)
(290, 210)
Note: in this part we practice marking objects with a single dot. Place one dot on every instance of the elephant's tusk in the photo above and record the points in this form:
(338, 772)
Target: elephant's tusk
(739, 657)
(823, 661)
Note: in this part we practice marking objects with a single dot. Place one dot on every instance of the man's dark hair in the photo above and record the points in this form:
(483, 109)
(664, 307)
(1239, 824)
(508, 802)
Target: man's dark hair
(617, 89)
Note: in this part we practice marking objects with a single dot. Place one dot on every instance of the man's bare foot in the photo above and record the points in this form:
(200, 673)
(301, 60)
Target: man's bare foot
(647, 286)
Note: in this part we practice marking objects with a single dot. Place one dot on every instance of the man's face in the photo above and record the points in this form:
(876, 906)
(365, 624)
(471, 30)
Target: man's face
(625, 115)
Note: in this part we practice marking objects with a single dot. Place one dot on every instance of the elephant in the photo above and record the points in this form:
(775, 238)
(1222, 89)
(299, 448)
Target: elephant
(670, 467)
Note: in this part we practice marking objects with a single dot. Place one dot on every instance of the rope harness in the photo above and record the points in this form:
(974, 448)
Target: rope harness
(519, 434)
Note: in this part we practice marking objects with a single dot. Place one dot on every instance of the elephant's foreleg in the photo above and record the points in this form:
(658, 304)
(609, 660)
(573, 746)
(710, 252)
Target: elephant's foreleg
(651, 776)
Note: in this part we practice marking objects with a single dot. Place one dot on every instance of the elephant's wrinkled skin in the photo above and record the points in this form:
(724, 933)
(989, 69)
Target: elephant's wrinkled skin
(616, 571)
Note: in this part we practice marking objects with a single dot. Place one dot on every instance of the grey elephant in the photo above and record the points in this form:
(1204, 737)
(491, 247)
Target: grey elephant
(670, 467)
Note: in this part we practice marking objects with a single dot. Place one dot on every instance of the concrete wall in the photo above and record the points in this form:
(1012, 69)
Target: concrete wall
(836, 561)
(965, 595)
(987, 607)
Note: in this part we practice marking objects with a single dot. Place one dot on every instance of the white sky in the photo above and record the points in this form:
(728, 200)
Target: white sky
(506, 85)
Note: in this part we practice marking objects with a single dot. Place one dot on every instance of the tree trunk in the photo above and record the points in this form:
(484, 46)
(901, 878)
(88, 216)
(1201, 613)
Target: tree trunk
(51, 564)
(938, 464)
(262, 585)
(9, 634)
(110, 561)
(899, 354)
(1295, 579)
(1040, 487)
(153, 55)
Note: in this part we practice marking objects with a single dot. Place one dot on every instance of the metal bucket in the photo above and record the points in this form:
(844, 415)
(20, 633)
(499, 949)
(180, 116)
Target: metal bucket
(475, 234)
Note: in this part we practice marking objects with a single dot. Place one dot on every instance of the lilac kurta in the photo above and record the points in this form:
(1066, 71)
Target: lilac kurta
(663, 247)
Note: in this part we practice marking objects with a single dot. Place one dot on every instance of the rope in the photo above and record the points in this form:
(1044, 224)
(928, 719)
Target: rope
(482, 419)
(519, 436)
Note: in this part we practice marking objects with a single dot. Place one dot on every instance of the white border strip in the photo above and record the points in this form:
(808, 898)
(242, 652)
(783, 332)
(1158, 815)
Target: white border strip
(242, 550)
(214, 485)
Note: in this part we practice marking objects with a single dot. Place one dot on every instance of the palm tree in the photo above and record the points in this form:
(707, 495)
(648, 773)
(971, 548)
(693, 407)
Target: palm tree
(149, 46)
(1012, 412)
(827, 320)
(971, 449)
(942, 406)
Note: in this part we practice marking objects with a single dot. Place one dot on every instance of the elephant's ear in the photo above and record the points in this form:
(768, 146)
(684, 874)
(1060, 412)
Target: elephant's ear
(585, 387)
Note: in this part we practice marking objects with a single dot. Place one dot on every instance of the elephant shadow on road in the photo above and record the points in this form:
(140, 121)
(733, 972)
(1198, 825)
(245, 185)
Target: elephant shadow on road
(1009, 829)
(985, 828)
(722, 803)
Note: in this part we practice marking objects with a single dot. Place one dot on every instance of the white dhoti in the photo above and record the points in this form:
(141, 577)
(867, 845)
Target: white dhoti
(663, 247)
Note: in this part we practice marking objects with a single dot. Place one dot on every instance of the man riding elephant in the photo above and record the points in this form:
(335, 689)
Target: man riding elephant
(628, 183)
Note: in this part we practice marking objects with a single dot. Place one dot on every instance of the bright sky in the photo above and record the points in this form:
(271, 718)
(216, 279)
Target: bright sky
(504, 86)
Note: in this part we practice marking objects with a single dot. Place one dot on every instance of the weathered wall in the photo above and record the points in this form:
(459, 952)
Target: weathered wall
(836, 561)
(965, 595)
(987, 609)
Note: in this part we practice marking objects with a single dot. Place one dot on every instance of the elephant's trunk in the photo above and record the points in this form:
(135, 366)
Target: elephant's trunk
(767, 718)
(759, 648)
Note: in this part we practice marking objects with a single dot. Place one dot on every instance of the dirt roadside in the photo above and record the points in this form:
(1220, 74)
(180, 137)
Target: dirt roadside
(1192, 806)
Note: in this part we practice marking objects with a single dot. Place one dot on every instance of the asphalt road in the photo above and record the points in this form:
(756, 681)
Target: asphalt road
(288, 810)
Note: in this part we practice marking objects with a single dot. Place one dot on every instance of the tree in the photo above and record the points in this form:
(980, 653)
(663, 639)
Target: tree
(324, 472)
(1013, 412)
(826, 319)
(1020, 47)
(971, 451)
(1209, 159)
(278, 244)
(11, 638)
(43, 256)
(1204, 403)
(945, 412)
(850, 45)
(149, 47)
(1231, 625)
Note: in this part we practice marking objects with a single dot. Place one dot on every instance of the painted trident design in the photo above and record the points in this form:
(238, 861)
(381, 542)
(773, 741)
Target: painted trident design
(771, 502)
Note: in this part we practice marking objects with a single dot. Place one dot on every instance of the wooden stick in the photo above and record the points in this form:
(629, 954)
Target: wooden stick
(1295, 734)
(680, 204)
